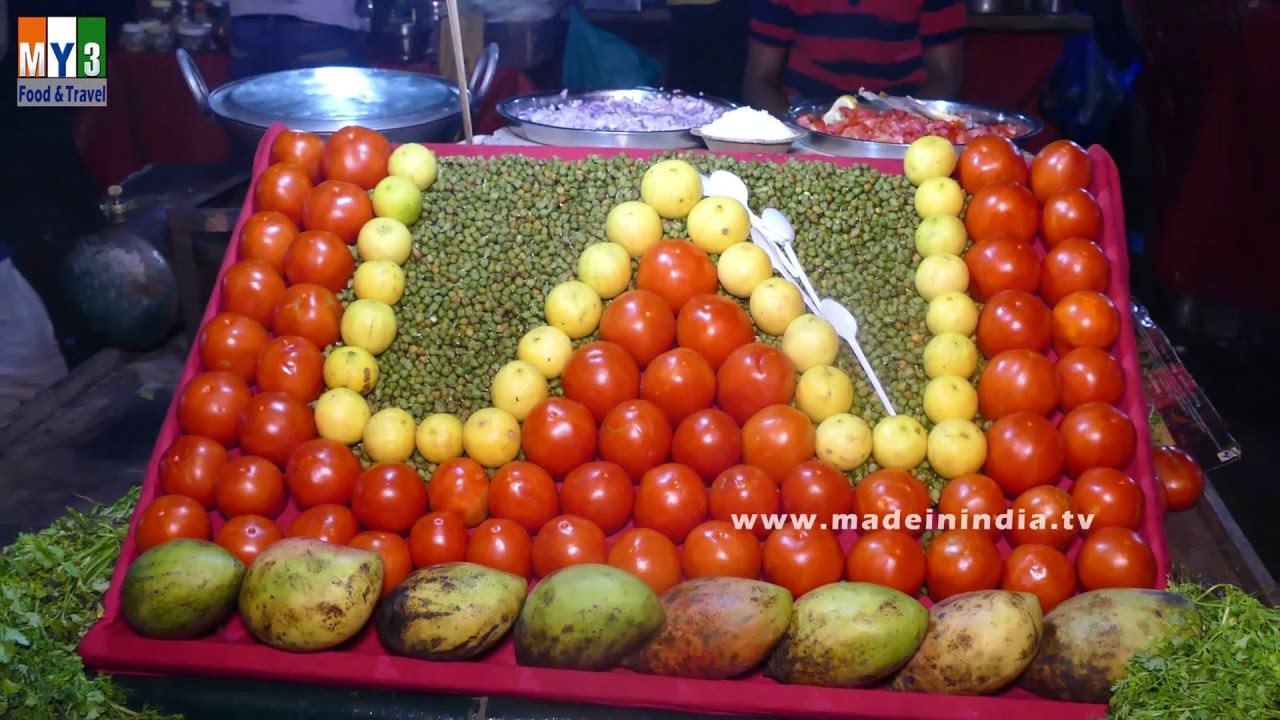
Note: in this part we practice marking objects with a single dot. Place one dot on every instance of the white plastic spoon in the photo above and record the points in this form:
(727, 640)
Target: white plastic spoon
(846, 326)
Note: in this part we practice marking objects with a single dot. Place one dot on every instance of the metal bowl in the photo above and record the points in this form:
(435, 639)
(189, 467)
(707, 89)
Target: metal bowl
(682, 139)
(770, 147)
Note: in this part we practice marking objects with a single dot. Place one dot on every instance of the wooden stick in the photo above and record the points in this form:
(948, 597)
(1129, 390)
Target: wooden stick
(460, 66)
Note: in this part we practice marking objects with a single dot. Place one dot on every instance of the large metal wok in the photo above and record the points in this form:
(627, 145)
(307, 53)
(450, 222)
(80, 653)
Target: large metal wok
(404, 106)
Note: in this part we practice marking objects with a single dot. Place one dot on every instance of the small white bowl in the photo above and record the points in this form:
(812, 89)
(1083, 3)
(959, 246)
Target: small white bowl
(716, 144)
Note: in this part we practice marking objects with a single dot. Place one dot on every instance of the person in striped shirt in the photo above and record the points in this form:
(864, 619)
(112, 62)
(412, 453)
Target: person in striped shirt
(820, 49)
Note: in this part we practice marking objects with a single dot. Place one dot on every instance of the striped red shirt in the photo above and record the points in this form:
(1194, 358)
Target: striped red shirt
(839, 46)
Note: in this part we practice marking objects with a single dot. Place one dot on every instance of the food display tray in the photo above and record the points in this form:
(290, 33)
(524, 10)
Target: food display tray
(112, 646)
(557, 136)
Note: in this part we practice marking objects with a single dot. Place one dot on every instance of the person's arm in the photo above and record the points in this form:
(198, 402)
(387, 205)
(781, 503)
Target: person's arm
(942, 27)
(772, 32)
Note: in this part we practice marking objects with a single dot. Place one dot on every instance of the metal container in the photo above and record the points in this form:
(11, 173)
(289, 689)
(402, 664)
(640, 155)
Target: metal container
(511, 110)
(133, 37)
(526, 44)
(403, 106)
(1056, 7)
(1000, 7)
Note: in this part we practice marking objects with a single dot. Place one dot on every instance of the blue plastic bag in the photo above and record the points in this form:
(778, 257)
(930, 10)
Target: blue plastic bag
(599, 60)
(1086, 94)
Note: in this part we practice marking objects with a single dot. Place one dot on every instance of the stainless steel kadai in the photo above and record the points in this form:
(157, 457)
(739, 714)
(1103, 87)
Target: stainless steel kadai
(404, 106)
(515, 110)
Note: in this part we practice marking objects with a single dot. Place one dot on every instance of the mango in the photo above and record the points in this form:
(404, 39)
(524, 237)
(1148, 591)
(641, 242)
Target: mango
(716, 628)
(586, 617)
(1090, 638)
(848, 635)
(453, 611)
(304, 595)
(977, 643)
(181, 590)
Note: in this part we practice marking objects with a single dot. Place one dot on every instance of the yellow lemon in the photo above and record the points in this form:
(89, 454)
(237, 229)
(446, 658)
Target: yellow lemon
(351, 367)
(717, 223)
(633, 225)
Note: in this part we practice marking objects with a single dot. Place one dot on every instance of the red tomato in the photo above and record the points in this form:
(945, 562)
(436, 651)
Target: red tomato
(291, 364)
(391, 497)
(558, 435)
(744, 491)
(752, 378)
(337, 207)
(396, 560)
(717, 549)
(1014, 320)
(524, 492)
(567, 540)
(1089, 375)
(999, 208)
(232, 343)
(801, 560)
(1001, 262)
(890, 499)
(309, 311)
(246, 536)
(266, 236)
(1042, 571)
(1024, 450)
(334, 524)
(890, 558)
(989, 159)
(817, 488)
(1180, 476)
(672, 500)
(282, 187)
(641, 323)
(321, 258)
(188, 467)
(1070, 214)
(973, 502)
(254, 289)
(676, 270)
(680, 382)
(171, 517)
(600, 375)
(960, 561)
(299, 148)
(249, 485)
(438, 538)
(708, 441)
(356, 155)
(210, 404)
(502, 545)
(322, 472)
(1115, 558)
(650, 556)
(636, 436)
(1060, 165)
(1097, 435)
(460, 485)
(1109, 498)
(777, 439)
(713, 326)
(1085, 319)
(600, 492)
(1044, 515)
(1018, 381)
(273, 425)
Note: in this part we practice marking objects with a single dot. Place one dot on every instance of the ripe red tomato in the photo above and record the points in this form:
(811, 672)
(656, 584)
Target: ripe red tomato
(744, 491)
(713, 326)
(1002, 207)
(331, 523)
(891, 499)
(1024, 450)
(636, 436)
(708, 441)
(973, 502)
(1109, 498)
(817, 488)
(1013, 320)
(1060, 165)
(1097, 435)
(246, 536)
(171, 517)
(322, 472)
(266, 236)
(293, 365)
(1044, 515)
(1001, 262)
(676, 270)
(672, 500)
(680, 382)
(462, 486)
(1085, 319)
(890, 558)
(188, 468)
(356, 155)
(311, 312)
(1089, 375)
(524, 492)
(396, 560)
(391, 497)
(801, 560)
(337, 207)
(1180, 476)
(437, 538)
(210, 404)
(989, 159)
(232, 343)
(777, 439)
(254, 289)
(1018, 381)
(321, 258)
(567, 540)
(502, 545)
(650, 556)
(600, 375)
(960, 561)
(282, 187)
(1070, 214)
(558, 435)
(752, 378)
(249, 485)
(641, 323)
(299, 148)
(1115, 558)
(717, 549)
(273, 425)
(1042, 571)
(601, 492)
